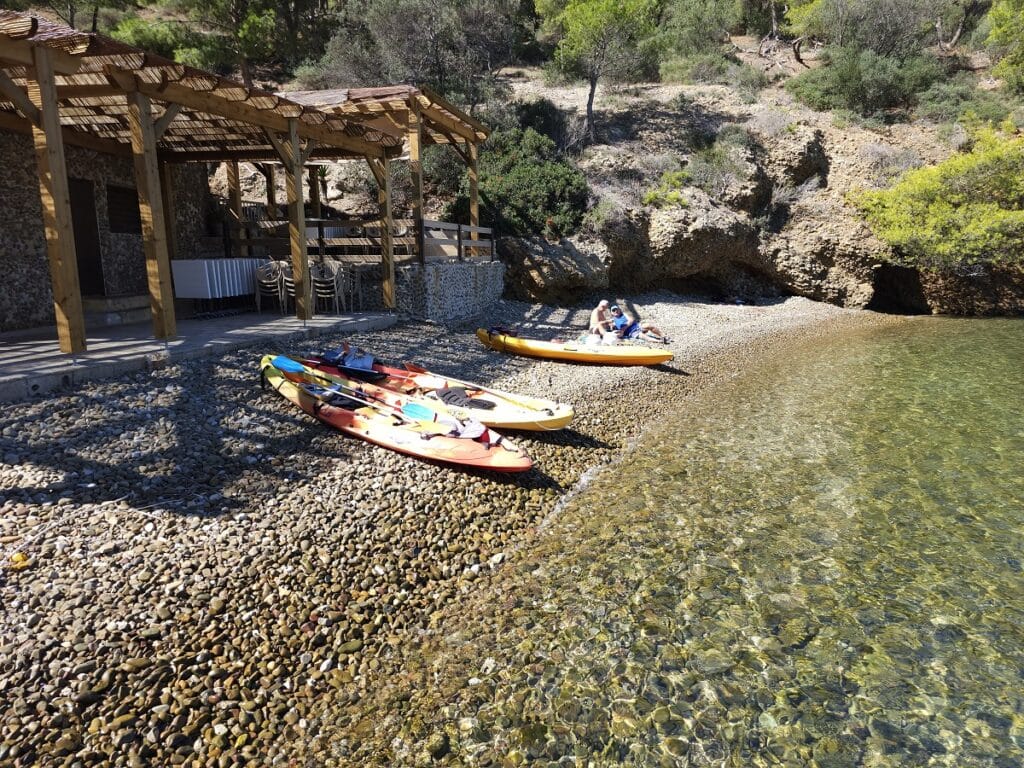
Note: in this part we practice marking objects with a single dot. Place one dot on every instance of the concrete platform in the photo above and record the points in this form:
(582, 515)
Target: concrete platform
(31, 362)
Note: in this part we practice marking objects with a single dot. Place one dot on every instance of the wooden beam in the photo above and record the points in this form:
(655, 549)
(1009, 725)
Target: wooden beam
(235, 199)
(282, 148)
(162, 123)
(9, 122)
(256, 155)
(268, 174)
(447, 125)
(21, 52)
(211, 103)
(19, 98)
(314, 191)
(56, 201)
(167, 196)
(87, 91)
(376, 168)
(151, 211)
(446, 105)
(474, 187)
(297, 222)
(382, 172)
(456, 144)
(416, 170)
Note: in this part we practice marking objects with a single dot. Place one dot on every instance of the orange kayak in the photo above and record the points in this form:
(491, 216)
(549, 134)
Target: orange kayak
(406, 429)
(462, 399)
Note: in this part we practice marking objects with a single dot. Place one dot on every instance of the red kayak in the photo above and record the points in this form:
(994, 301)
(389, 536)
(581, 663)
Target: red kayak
(462, 399)
(408, 429)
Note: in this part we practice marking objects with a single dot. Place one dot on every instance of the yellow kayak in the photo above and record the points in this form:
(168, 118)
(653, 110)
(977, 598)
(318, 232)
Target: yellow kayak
(617, 354)
(462, 399)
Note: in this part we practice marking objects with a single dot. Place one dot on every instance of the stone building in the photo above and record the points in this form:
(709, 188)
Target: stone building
(105, 149)
(107, 230)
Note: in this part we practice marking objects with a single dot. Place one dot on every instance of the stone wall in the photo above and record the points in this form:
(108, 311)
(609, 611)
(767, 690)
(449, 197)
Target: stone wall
(25, 295)
(191, 190)
(26, 299)
(445, 292)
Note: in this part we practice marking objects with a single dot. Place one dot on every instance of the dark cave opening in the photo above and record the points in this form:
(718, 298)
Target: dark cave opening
(898, 291)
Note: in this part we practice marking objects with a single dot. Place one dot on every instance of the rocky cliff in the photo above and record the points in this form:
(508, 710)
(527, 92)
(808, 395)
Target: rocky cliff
(764, 210)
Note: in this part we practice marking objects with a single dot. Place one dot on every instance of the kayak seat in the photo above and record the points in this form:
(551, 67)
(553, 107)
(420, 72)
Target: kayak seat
(457, 397)
(355, 363)
(330, 397)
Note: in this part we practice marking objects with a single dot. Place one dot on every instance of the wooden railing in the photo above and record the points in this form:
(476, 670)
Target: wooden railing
(455, 242)
(360, 240)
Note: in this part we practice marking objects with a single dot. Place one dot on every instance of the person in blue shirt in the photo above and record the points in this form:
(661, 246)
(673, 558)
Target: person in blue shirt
(626, 327)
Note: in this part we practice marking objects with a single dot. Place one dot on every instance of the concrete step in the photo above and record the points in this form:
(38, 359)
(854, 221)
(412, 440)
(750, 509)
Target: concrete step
(103, 311)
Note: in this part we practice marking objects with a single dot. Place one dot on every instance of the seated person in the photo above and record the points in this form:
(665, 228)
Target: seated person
(628, 328)
(599, 320)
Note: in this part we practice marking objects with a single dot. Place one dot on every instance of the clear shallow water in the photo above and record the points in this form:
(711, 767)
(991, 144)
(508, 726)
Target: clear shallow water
(821, 567)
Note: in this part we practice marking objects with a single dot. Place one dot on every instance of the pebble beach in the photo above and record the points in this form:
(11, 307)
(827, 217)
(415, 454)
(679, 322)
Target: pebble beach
(192, 571)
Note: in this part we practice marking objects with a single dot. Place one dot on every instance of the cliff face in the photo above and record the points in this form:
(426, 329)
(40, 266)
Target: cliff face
(770, 218)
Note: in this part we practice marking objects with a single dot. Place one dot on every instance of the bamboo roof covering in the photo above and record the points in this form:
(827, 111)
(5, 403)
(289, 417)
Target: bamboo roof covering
(387, 108)
(202, 116)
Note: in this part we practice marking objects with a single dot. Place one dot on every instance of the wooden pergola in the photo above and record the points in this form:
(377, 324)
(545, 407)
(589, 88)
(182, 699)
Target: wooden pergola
(415, 116)
(63, 87)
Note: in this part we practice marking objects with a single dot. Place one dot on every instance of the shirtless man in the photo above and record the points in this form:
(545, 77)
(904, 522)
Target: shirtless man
(600, 321)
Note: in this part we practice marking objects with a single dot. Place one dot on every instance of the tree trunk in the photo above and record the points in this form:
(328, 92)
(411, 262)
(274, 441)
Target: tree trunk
(948, 45)
(591, 133)
(243, 64)
(95, 18)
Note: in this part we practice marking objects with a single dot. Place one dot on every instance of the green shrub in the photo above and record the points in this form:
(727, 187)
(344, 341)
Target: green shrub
(443, 169)
(715, 168)
(544, 116)
(735, 135)
(163, 38)
(669, 190)
(210, 52)
(595, 219)
(966, 210)
(526, 187)
(949, 100)
(864, 81)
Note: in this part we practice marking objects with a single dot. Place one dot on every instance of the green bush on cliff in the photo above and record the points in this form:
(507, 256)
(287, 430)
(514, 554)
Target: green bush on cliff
(669, 191)
(950, 100)
(966, 210)
(526, 187)
(864, 81)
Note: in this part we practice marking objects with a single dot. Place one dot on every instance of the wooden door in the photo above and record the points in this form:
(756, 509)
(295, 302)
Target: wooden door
(87, 237)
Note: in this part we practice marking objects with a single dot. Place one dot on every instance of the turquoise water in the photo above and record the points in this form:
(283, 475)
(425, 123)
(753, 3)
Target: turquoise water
(820, 564)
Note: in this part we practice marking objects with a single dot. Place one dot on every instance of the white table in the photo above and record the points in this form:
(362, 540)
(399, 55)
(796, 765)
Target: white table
(214, 278)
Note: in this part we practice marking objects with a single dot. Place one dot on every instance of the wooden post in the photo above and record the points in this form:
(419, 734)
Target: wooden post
(387, 240)
(167, 194)
(474, 188)
(297, 222)
(235, 206)
(268, 172)
(314, 190)
(56, 201)
(151, 211)
(416, 169)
